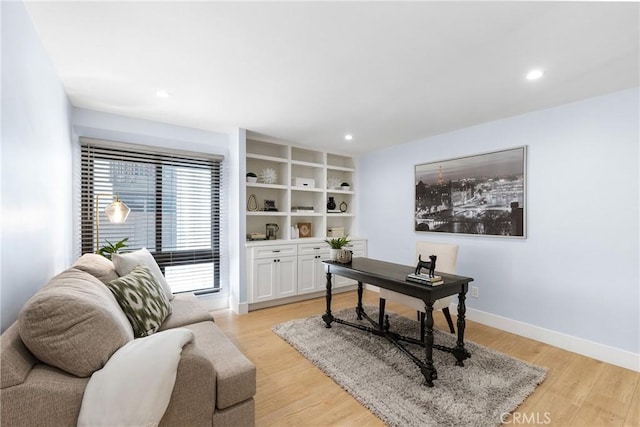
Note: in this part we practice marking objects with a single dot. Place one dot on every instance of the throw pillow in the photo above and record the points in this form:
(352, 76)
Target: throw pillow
(74, 323)
(98, 266)
(142, 299)
(126, 262)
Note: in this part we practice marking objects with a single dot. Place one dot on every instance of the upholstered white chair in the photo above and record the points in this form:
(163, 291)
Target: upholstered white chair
(445, 263)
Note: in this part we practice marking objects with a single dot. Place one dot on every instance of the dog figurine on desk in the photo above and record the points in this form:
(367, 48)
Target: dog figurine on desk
(431, 265)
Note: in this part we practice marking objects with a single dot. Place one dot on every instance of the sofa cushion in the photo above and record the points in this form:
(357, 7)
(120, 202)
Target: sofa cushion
(185, 310)
(142, 299)
(98, 266)
(16, 361)
(235, 374)
(124, 263)
(74, 323)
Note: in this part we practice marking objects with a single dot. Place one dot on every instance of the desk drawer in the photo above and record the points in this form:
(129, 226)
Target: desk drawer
(313, 248)
(275, 250)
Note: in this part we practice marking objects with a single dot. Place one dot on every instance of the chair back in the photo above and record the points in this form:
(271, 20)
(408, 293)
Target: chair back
(447, 255)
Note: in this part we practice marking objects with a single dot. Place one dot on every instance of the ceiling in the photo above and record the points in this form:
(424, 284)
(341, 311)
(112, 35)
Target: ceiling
(311, 72)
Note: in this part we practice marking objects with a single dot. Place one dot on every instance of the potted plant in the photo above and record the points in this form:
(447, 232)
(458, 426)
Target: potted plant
(336, 244)
(252, 177)
(345, 186)
(112, 248)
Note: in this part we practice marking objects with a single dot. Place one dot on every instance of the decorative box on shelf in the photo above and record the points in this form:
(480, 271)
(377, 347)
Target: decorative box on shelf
(335, 232)
(304, 182)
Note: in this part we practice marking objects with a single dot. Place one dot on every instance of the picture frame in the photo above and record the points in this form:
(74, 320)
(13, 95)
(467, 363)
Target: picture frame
(481, 194)
(305, 229)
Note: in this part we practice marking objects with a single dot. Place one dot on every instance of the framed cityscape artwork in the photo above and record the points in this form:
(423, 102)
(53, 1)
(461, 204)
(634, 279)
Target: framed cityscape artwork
(483, 194)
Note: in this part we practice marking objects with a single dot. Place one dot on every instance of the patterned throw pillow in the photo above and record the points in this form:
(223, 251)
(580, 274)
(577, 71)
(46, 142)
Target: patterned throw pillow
(142, 299)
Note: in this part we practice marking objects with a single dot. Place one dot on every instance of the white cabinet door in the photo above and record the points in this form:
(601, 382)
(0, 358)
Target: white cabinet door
(311, 273)
(286, 276)
(274, 278)
(307, 273)
(264, 279)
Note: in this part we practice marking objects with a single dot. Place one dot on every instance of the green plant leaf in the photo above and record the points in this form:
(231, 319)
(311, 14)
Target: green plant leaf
(338, 242)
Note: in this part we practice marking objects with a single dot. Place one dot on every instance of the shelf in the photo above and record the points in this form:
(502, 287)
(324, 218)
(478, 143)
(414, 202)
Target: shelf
(340, 168)
(342, 214)
(309, 164)
(340, 162)
(267, 158)
(263, 213)
(262, 185)
(306, 214)
(341, 191)
(310, 189)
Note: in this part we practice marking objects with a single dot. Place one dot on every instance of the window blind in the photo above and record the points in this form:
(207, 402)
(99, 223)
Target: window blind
(175, 208)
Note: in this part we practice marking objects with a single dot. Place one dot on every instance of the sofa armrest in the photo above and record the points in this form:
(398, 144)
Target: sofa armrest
(194, 394)
(47, 393)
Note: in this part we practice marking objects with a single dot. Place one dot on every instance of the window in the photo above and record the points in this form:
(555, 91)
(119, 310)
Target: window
(175, 208)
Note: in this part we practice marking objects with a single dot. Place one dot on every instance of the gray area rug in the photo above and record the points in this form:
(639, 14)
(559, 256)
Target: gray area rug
(387, 382)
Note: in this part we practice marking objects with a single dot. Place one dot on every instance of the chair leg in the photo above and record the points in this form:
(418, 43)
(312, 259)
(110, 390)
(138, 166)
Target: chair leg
(447, 315)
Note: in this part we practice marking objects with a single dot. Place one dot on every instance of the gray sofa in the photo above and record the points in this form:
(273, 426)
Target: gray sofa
(71, 327)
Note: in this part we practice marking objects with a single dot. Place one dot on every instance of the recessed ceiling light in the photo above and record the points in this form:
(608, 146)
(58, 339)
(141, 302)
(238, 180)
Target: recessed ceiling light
(348, 137)
(162, 94)
(535, 74)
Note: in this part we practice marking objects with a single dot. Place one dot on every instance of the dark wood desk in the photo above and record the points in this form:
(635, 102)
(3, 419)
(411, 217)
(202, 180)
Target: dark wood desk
(393, 277)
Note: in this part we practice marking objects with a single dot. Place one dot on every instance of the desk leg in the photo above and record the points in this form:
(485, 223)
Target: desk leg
(382, 302)
(459, 351)
(359, 309)
(328, 317)
(428, 371)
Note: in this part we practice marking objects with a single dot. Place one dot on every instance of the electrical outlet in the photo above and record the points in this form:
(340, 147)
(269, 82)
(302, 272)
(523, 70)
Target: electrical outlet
(474, 292)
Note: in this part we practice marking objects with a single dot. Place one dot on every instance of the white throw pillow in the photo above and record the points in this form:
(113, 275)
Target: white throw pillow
(125, 263)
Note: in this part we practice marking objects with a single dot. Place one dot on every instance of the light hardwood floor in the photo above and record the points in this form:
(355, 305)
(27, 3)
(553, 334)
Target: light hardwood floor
(578, 391)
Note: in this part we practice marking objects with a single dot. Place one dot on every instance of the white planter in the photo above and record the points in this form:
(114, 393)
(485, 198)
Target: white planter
(333, 254)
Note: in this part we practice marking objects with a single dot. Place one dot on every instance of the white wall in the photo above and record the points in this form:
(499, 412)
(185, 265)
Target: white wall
(237, 224)
(577, 272)
(36, 165)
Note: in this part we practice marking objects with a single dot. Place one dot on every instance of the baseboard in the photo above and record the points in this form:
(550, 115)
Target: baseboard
(243, 308)
(238, 307)
(604, 353)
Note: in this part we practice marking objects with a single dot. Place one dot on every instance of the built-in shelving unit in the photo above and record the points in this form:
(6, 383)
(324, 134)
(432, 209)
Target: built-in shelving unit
(304, 178)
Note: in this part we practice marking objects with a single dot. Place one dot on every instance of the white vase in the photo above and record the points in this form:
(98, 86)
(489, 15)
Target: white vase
(333, 254)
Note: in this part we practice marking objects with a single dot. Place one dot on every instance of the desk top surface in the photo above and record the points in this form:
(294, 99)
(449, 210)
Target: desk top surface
(394, 277)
